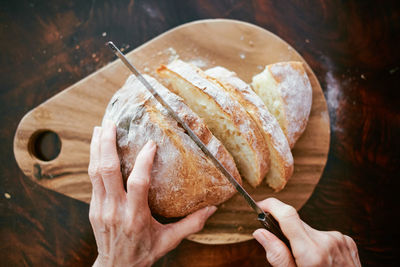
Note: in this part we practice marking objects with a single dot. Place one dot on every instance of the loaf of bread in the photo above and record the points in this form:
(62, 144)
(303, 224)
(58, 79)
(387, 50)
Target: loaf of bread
(183, 178)
(225, 117)
(281, 157)
(286, 91)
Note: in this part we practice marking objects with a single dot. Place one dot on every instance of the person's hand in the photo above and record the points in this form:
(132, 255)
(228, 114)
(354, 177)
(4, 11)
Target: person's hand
(126, 233)
(310, 247)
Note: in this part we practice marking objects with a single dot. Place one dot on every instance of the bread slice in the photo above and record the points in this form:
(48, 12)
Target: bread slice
(183, 178)
(225, 117)
(281, 157)
(286, 91)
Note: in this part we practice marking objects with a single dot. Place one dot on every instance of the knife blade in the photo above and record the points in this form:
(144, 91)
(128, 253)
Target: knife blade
(266, 219)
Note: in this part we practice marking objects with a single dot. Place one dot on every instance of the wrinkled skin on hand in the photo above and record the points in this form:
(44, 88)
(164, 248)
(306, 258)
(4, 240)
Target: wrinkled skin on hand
(310, 247)
(126, 233)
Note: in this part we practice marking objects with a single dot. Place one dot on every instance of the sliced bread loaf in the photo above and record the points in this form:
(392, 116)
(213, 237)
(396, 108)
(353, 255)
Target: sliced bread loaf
(281, 157)
(225, 117)
(183, 178)
(286, 91)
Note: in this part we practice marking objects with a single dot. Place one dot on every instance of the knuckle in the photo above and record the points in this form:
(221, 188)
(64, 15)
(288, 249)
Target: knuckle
(337, 235)
(352, 245)
(199, 225)
(336, 239)
(111, 213)
(109, 167)
(110, 218)
(94, 216)
(288, 212)
(93, 170)
(134, 182)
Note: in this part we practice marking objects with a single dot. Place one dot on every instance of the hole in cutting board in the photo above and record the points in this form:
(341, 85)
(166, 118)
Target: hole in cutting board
(44, 145)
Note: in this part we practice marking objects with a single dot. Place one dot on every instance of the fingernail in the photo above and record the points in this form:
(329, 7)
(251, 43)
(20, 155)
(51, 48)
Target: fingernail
(107, 123)
(149, 145)
(210, 210)
(96, 131)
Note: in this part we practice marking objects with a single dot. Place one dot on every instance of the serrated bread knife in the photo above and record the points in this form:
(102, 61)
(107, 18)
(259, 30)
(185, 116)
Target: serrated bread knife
(266, 219)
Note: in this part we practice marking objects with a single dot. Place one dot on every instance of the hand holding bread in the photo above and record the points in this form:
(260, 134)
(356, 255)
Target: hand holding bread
(125, 231)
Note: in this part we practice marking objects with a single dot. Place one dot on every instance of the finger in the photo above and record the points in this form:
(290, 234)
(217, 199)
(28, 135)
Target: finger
(94, 165)
(289, 221)
(191, 224)
(139, 180)
(110, 163)
(278, 253)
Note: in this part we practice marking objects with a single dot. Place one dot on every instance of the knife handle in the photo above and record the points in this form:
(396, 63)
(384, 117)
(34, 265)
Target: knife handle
(269, 223)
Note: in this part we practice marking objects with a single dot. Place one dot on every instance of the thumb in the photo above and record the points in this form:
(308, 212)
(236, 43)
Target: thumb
(191, 224)
(175, 232)
(277, 252)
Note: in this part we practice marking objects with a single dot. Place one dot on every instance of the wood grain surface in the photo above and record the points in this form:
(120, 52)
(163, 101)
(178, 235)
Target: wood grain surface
(352, 46)
(241, 47)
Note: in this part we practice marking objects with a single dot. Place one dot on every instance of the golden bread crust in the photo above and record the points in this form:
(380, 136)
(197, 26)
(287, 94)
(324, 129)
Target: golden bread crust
(183, 178)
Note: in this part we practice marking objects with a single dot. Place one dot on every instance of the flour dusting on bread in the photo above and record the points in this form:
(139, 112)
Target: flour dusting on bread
(286, 91)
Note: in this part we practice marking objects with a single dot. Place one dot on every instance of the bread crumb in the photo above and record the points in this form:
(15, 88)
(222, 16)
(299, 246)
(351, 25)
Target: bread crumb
(240, 228)
(173, 55)
(7, 195)
(198, 63)
(251, 43)
(242, 55)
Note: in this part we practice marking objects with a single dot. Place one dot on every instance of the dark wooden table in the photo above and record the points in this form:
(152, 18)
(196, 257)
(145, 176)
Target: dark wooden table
(353, 47)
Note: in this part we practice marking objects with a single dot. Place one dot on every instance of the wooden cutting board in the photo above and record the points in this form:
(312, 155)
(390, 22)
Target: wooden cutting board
(241, 47)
